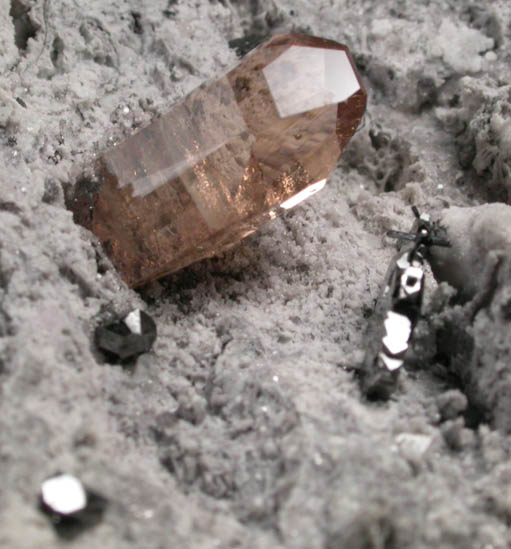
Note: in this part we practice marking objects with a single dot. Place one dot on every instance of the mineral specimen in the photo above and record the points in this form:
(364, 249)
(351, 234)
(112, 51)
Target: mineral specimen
(224, 160)
(127, 338)
(398, 308)
(70, 506)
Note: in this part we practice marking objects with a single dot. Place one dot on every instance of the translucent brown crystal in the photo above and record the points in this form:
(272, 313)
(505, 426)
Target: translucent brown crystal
(224, 160)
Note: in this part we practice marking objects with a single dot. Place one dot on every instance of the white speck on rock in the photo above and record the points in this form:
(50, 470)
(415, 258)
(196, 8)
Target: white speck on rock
(413, 446)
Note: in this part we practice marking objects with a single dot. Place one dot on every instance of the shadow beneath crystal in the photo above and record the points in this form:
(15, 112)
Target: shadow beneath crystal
(71, 526)
(230, 274)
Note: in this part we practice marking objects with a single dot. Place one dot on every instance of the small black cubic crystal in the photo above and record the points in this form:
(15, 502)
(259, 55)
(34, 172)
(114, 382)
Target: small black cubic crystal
(126, 338)
(70, 506)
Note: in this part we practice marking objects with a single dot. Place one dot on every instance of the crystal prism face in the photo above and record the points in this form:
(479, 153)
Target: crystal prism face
(224, 160)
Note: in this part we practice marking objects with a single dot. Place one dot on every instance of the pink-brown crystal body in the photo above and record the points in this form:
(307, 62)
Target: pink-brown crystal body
(200, 178)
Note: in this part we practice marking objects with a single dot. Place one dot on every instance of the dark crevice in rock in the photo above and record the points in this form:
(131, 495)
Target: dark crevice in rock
(246, 43)
(56, 157)
(491, 184)
(381, 78)
(427, 93)
(11, 141)
(373, 528)
(448, 369)
(479, 17)
(362, 61)
(52, 191)
(258, 17)
(24, 27)
(102, 263)
(56, 52)
(77, 280)
(136, 22)
(11, 207)
(5, 275)
(80, 200)
(475, 415)
(484, 299)
(455, 351)
(385, 158)
(6, 326)
(98, 44)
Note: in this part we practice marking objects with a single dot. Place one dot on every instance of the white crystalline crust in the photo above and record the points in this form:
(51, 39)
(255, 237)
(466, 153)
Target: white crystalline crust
(460, 47)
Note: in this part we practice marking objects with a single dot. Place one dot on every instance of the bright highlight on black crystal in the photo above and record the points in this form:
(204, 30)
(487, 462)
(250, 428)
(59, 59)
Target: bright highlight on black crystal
(70, 506)
(398, 308)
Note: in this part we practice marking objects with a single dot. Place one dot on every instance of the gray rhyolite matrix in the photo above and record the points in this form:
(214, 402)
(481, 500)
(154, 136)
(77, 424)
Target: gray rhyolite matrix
(244, 427)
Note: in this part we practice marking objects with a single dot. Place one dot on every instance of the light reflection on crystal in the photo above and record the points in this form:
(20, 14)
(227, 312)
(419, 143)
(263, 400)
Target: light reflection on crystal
(134, 321)
(403, 261)
(64, 494)
(391, 363)
(411, 280)
(183, 151)
(398, 329)
(302, 79)
(303, 195)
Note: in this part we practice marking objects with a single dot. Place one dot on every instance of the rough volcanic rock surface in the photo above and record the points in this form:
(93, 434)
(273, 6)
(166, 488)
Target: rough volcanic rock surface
(244, 427)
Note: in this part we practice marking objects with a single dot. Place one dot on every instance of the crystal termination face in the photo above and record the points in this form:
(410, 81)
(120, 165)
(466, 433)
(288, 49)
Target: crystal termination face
(224, 160)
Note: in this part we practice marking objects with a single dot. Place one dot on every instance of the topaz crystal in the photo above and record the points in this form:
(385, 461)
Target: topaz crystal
(227, 158)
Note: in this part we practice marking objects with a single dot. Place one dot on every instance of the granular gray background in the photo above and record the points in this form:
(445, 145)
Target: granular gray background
(244, 427)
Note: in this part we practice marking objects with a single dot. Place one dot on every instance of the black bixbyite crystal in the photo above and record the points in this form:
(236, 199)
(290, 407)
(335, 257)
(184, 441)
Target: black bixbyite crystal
(70, 506)
(126, 338)
(398, 308)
